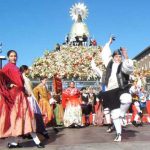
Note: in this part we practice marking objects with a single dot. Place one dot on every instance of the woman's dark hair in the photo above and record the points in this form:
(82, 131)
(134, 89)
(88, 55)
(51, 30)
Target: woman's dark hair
(23, 68)
(11, 51)
(43, 77)
(83, 88)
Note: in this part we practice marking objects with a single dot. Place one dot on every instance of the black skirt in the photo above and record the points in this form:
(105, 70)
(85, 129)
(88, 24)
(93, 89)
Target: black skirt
(87, 109)
(111, 98)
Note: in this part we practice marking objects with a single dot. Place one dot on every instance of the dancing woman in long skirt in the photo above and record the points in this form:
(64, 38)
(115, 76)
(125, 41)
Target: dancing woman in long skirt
(40, 128)
(42, 95)
(16, 115)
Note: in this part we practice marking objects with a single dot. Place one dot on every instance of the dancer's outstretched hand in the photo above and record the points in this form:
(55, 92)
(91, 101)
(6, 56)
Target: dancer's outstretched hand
(112, 38)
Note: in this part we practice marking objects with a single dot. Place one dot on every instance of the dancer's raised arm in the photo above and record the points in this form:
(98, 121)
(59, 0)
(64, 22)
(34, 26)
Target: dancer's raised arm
(106, 52)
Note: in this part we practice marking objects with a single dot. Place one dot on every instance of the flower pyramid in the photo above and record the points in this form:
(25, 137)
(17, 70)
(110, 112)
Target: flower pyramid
(69, 62)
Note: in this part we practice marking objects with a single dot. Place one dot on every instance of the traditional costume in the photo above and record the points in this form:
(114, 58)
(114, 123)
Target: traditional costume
(55, 101)
(91, 104)
(57, 84)
(85, 107)
(42, 96)
(71, 103)
(16, 115)
(136, 111)
(58, 109)
(99, 119)
(139, 99)
(34, 105)
(6, 104)
(117, 97)
(106, 110)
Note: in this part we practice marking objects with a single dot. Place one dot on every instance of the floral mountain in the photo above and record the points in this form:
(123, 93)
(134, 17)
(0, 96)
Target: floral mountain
(69, 62)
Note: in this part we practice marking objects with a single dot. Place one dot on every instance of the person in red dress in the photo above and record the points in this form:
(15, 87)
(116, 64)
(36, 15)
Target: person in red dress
(16, 115)
(71, 102)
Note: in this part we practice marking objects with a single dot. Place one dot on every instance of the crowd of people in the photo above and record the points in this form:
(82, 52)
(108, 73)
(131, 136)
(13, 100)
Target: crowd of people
(27, 110)
(83, 40)
(140, 102)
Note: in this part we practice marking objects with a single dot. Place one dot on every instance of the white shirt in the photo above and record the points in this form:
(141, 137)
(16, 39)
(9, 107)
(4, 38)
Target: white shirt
(27, 84)
(112, 82)
(106, 56)
(127, 66)
(134, 90)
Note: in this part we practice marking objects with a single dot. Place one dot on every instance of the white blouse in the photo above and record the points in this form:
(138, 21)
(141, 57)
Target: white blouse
(27, 85)
(106, 55)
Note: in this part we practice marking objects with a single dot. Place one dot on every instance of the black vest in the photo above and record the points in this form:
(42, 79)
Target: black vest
(122, 78)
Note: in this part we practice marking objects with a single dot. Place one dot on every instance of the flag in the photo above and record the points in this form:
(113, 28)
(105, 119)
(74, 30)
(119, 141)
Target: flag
(57, 85)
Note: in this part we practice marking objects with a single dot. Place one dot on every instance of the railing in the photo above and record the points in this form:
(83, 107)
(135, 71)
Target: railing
(78, 84)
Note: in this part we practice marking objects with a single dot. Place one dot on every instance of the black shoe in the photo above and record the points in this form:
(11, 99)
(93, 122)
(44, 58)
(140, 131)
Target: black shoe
(46, 135)
(135, 124)
(56, 130)
(72, 126)
(40, 145)
(28, 136)
(118, 138)
(110, 129)
(10, 145)
(140, 114)
(78, 126)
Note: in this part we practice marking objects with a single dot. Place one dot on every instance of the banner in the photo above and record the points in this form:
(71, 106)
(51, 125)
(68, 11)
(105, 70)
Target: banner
(57, 85)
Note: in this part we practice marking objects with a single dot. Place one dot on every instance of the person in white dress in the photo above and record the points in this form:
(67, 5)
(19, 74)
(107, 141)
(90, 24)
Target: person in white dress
(33, 102)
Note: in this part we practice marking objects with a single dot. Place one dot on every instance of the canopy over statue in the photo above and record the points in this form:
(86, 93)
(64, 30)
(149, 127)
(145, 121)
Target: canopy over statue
(79, 13)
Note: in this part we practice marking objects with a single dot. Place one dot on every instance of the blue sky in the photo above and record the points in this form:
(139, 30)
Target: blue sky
(32, 26)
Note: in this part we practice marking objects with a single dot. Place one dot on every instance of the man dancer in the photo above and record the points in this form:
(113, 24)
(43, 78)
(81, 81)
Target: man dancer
(116, 99)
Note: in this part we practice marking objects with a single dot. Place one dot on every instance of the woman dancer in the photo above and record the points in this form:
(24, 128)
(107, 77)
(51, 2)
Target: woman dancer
(42, 95)
(16, 116)
(40, 128)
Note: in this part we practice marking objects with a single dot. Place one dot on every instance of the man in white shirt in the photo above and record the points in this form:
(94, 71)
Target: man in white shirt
(116, 99)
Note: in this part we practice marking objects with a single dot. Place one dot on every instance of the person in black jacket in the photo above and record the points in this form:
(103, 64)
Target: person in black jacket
(91, 103)
(84, 105)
